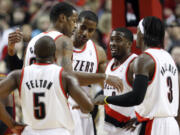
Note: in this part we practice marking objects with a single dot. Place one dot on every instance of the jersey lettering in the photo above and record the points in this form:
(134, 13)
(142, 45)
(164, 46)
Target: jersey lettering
(84, 66)
(39, 84)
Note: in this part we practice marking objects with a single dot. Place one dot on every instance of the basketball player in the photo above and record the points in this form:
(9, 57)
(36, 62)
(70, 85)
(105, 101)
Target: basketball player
(44, 88)
(155, 88)
(120, 65)
(63, 18)
(88, 58)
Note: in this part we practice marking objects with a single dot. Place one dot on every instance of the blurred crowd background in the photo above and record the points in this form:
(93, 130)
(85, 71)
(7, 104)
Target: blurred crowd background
(32, 17)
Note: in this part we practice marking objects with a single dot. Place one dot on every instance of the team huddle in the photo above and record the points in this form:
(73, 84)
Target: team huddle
(140, 93)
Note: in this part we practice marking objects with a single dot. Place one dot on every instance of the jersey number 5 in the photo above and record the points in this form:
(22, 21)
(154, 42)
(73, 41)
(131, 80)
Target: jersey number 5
(39, 107)
(170, 93)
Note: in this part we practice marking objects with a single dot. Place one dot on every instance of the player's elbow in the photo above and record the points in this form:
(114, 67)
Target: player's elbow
(88, 107)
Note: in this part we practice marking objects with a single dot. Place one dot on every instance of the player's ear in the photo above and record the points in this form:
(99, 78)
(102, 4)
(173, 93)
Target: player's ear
(62, 18)
(129, 44)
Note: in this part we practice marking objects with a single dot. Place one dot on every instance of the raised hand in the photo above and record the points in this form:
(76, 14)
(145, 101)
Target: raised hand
(14, 38)
(115, 82)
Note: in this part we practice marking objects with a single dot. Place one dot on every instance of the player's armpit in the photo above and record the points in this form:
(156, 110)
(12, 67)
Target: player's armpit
(91, 78)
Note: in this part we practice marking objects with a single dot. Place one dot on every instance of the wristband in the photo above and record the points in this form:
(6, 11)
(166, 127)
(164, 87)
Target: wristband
(105, 100)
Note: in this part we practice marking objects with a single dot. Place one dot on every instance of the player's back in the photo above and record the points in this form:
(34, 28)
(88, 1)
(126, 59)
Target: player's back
(162, 96)
(30, 56)
(43, 99)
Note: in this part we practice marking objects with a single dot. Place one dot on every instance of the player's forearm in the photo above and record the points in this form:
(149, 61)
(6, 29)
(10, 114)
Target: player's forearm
(89, 78)
(5, 117)
(135, 97)
(78, 94)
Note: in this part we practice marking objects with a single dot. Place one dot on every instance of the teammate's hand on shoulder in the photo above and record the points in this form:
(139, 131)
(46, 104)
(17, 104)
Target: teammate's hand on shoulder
(99, 100)
(18, 128)
(14, 38)
(116, 82)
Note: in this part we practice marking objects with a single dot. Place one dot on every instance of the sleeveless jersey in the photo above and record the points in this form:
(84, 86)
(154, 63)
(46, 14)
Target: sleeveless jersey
(86, 60)
(162, 95)
(43, 99)
(122, 114)
(30, 56)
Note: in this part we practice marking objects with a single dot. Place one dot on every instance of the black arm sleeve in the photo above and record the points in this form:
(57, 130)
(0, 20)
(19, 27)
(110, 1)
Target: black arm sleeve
(14, 62)
(135, 97)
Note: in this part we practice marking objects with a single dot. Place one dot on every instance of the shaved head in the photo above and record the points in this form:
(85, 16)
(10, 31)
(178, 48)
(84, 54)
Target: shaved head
(45, 48)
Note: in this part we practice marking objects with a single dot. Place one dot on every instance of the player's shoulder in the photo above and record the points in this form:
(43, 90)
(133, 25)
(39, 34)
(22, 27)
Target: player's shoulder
(98, 48)
(64, 39)
(16, 74)
(143, 63)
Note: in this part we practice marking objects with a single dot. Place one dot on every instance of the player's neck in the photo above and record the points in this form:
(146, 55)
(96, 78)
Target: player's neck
(78, 44)
(45, 60)
(144, 47)
(121, 60)
(54, 28)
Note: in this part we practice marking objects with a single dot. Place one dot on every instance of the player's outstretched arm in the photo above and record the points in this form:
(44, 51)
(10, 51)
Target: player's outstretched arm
(6, 87)
(71, 84)
(91, 78)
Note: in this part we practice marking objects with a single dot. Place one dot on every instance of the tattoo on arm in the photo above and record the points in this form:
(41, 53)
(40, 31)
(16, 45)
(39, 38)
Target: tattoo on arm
(66, 46)
(67, 56)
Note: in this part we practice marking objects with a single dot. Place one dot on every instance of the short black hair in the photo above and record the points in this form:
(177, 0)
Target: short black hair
(154, 31)
(45, 47)
(87, 14)
(127, 33)
(61, 8)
